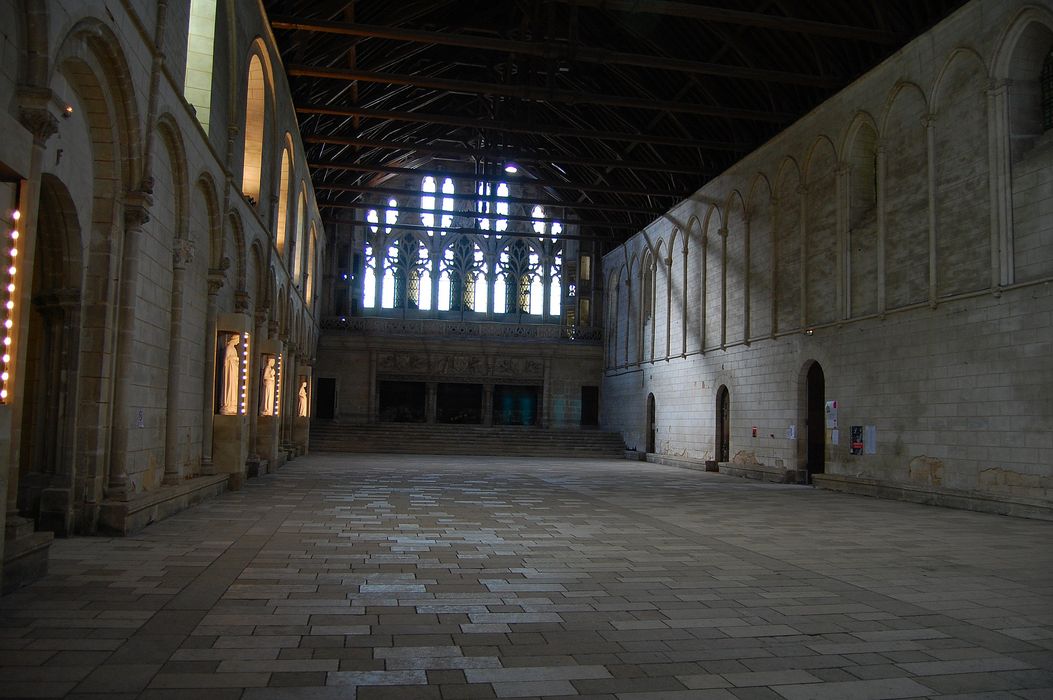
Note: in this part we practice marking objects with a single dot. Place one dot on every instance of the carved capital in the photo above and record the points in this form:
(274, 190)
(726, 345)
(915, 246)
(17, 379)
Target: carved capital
(929, 121)
(182, 252)
(722, 232)
(40, 122)
(137, 208)
(261, 315)
(215, 282)
(241, 301)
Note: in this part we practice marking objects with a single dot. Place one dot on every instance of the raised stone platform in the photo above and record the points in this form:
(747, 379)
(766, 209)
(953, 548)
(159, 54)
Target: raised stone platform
(125, 517)
(25, 553)
(759, 472)
(930, 495)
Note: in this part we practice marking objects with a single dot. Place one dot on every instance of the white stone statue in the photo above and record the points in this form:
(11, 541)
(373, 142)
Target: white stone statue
(267, 402)
(231, 377)
(301, 400)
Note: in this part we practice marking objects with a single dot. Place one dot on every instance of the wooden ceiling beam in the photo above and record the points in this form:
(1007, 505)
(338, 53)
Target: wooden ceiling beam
(500, 157)
(558, 51)
(580, 187)
(538, 94)
(520, 127)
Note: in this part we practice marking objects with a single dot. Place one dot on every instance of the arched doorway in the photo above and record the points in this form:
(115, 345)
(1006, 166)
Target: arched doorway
(46, 451)
(723, 431)
(651, 428)
(815, 420)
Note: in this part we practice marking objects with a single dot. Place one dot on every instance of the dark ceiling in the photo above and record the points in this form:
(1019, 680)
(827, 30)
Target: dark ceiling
(615, 109)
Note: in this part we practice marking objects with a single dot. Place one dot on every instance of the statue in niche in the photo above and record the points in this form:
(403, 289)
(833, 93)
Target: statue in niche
(301, 400)
(231, 378)
(269, 376)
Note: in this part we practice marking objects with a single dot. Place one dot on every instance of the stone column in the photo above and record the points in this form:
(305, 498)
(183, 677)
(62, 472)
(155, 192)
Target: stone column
(215, 283)
(136, 206)
(259, 334)
(42, 125)
(1000, 181)
(723, 233)
(488, 405)
(881, 167)
(802, 193)
(842, 212)
(930, 141)
(182, 255)
(431, 394)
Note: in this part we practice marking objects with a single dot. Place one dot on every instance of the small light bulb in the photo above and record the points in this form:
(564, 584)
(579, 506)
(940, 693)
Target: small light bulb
(11, 270)
(3, 394)
(9, 323)
(14, 235)
(6, 358)
(7, 340)
(11, 287)
(14, 252)
(5, 376)
(16, 215)
(10, 305)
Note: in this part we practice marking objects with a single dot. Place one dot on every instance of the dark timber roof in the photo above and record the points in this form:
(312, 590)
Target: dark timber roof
(616, 109)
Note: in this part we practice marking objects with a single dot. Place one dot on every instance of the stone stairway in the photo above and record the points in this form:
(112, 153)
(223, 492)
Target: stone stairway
(416, 438)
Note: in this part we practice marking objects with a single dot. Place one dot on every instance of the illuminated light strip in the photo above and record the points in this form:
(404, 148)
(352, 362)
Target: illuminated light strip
(244, 373)
(8, 310)
(277, 383)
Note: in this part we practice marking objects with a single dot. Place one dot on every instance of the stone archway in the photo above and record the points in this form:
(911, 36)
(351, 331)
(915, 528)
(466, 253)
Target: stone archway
(47, 482)
(651, 427)
(722, 453)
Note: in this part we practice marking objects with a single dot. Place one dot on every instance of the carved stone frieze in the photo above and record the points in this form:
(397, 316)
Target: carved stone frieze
(183, 251)
(454, 365)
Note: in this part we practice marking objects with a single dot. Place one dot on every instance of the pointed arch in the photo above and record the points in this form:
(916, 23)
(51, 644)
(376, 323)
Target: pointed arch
(735, 272)
(861, 157)
(281, 224)
(258, 111)
(906, 209)
(761, 257)
(172, 139)
(237, 234)
(206, 186)
(821, 259)
(962, 195)
(787, 247)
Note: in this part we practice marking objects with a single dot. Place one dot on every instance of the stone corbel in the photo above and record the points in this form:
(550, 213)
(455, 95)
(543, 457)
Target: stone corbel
(137, 208)
(40, 122)
(241, 301)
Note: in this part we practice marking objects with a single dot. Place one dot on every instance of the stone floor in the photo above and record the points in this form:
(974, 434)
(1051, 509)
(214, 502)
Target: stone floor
(424, 577)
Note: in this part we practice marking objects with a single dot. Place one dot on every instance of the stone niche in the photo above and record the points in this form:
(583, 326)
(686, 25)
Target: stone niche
(230, 420)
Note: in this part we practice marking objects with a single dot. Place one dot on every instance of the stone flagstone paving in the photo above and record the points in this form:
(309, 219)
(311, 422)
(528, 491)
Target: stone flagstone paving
(368, 576)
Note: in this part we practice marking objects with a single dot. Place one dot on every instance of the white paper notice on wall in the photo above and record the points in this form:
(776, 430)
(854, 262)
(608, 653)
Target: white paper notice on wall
(870, 439)
(835, 436)
(831, 415)
(791, 432)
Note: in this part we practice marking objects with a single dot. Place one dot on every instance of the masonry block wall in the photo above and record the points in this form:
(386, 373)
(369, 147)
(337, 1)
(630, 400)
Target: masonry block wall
(901, 236)
(141, 229)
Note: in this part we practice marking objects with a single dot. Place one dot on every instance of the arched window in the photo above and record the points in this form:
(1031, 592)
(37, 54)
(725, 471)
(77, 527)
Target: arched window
(255, 99)
(388, 284)
(200, 45)
(647, 290)
(447, 204)
(296, 249)
(1046, 85)
(519, 287)
(427, 202)
(369, 278)
(282, 224)
(555, 291)
(501, 207)
(482, 206)
(311, 267)
(462, 277)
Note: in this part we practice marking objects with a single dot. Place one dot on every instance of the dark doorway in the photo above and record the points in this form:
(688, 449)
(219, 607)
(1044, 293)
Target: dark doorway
(816, 420)
(459, 403)
(325, 398)
(401, 402)
(723, 451)
(515, 405)
(651, 428)
(590, 405)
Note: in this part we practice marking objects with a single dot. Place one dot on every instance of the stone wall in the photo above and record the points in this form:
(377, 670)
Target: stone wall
(137, 247)
(901, 236)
